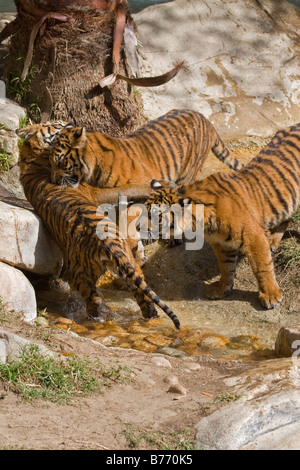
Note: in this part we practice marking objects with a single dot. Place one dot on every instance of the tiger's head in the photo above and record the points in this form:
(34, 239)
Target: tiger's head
(67, 166)
(38, 139)
(179, 216)
(165, 207)
(168, 194)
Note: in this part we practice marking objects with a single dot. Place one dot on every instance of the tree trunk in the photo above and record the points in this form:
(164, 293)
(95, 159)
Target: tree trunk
(74, 45)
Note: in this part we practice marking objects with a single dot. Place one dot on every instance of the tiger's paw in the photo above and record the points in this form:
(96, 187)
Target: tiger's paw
(98, 311)
(148, 311)
(270, 300)
(217, 290)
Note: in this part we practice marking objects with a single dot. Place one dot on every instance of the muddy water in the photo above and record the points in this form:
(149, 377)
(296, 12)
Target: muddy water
(236, 327)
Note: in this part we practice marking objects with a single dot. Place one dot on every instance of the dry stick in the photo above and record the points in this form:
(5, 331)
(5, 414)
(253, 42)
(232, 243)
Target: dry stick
(47, 106)
(142, 81)
(152, 81)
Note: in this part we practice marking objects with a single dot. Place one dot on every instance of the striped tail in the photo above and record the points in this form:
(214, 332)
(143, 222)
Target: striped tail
(222, 152)
(142, 285)
(131, 273)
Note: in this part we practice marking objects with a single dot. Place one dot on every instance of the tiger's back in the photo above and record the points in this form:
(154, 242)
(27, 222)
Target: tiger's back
(246, 211)
(173, 147)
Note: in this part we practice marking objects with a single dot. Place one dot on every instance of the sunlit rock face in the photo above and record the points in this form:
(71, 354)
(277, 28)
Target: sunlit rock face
(242, 62)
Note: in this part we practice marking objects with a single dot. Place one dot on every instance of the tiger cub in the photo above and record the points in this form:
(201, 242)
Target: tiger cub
(72, 219)
(173, 147)
(244, 210)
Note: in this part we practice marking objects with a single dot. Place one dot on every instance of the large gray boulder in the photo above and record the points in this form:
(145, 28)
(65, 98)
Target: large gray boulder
(11, 346)
(11, 116)
(17, 293)
(267, 415)
(25, 244)
(242, 62)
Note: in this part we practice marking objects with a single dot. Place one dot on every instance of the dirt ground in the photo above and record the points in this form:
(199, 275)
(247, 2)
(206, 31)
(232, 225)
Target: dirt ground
(116, 417)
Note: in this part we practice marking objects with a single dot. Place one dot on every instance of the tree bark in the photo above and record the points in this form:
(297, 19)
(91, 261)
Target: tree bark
(58, 53)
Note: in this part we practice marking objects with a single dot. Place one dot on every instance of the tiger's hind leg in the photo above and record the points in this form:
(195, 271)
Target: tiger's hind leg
(227, 259)
(257, 250)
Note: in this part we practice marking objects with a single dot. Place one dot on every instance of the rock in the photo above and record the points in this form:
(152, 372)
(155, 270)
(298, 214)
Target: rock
(42, 322)
(10, 180)
(192, 366)
(161, 362)
(171, 380)
(109, 341)
(17, 292)
(10, 116)
(266, 416)
(287, 343)
(25, 244)
(143, 346)
(213, 342)
(2, 351)
(241, 62)
(179, 389)
(175, 386)
(158, 340)
(11, 346)
(172, 352)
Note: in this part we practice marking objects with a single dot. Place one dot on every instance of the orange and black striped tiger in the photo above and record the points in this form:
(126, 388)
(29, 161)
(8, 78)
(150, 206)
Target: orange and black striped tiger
(173, 148)
(247, 211)
(71, 217)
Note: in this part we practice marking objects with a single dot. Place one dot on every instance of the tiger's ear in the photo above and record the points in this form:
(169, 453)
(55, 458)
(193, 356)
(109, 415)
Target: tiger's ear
(27, 132)
(79, 136)
(155, 185)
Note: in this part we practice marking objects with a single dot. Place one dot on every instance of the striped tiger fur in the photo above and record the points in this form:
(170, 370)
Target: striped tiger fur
(247, 211)
(70, 216)
(173, 147)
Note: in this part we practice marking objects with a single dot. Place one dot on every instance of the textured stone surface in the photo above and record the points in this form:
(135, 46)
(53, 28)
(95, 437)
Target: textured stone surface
(11, 346)
(266, 416)
(10, 115)
(17, 292)
(25, 244)
(242, 62)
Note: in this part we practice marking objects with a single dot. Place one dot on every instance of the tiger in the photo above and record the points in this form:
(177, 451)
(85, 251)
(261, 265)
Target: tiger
(70, 215)
(246, 211)
(173, 147)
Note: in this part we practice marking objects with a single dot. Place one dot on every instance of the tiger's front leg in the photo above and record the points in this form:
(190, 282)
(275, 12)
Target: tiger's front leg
(227, 259)
(257, 250)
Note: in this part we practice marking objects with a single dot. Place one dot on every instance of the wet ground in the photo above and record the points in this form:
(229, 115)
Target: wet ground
(235, 327)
